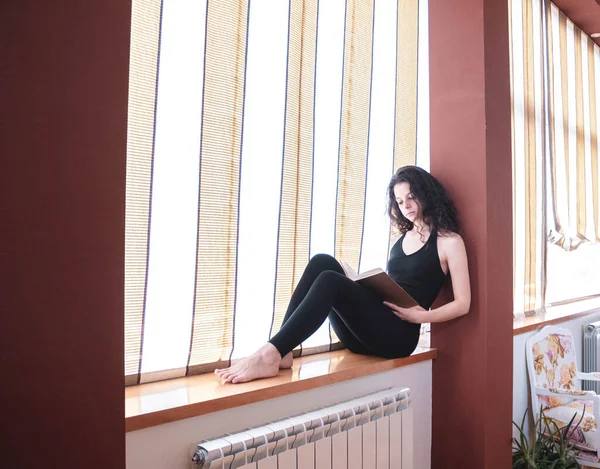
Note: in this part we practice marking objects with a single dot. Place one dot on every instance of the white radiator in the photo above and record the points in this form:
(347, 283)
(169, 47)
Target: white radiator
(371, 432)
(591, 349)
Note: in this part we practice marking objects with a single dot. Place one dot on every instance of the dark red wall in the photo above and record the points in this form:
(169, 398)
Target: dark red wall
(584, 13)
(471, 155)
(64, 68)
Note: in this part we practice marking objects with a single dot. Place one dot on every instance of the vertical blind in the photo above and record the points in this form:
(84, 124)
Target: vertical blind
(260, 133)
(574, 72)
(555, 72)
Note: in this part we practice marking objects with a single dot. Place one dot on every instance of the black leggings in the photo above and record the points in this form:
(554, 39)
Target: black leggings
(358, 317)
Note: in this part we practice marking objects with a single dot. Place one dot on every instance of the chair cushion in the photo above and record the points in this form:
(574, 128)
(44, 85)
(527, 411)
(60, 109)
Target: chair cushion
(554, 362)
(583, 437)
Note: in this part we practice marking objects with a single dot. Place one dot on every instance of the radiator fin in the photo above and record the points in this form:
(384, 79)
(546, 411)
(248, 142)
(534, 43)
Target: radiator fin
(591, 348)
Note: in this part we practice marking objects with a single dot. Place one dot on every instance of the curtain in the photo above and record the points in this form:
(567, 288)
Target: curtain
(574, 73)
(528, 141)
(260, 134)
(554, 66)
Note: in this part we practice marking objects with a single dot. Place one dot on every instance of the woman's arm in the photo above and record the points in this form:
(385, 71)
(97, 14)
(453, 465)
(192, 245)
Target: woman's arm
(455, 254)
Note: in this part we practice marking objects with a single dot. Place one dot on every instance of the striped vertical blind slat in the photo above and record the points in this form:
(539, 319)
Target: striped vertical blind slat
(407, 91)
(329, 78)
(326, 127)
(216, 258)
(145, 33)
(593, 75)
(354, 134)
(562, 184)
(174, 213)
(517, 51)
(553, 49)
(354, 131)
(267, 55)
(558, 105)
(575, 128)
(405, 143)
(382, 126)
(591, 145)
(528, 95)
(580, 152)
(293, 241)
(260, 134)
(535, 246)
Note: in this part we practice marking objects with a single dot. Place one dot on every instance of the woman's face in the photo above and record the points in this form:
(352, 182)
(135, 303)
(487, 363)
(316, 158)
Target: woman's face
(408, 204)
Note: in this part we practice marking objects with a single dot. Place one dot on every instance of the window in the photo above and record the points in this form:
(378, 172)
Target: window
(555, 89)
(260, 133)
(572, 274)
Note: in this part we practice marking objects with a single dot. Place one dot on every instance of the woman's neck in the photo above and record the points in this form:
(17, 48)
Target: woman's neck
(420, 227)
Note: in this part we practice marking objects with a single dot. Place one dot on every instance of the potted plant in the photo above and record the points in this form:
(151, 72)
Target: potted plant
(550, 449)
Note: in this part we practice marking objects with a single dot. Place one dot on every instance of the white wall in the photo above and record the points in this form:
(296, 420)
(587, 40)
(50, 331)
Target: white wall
(520, 381)
(171, 445)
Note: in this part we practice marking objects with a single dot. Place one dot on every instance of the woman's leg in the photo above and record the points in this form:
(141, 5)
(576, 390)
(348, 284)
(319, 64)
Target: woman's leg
(347, 338)
(318, 264)
(362, 316)
(374, 326)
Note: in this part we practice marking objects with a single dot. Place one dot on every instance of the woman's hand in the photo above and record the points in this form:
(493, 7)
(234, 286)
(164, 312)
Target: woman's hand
(414, 314)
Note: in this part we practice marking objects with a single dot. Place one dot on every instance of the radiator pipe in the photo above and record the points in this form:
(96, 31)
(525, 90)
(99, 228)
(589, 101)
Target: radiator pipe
(199, 457)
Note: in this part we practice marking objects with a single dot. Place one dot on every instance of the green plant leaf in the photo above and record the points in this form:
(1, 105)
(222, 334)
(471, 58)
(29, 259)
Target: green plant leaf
(550, 449)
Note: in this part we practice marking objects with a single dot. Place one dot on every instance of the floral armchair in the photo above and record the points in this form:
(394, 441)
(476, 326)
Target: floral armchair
(556, 388)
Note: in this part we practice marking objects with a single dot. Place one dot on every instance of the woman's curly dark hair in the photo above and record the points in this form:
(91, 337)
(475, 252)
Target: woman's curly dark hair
(436, 206)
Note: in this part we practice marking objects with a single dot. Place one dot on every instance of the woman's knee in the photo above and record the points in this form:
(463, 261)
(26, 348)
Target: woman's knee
(329, 279)
(323, 262)
(322, 258)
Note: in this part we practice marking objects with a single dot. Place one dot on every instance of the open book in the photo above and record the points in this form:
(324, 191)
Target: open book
(380, 283)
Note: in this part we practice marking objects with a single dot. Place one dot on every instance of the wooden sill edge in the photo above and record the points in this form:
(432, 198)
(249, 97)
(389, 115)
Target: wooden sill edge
(556, 315)
(271, 388)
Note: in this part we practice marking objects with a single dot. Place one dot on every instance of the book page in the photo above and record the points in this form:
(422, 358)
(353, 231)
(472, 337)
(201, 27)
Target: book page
(369, 273)
(350, 272)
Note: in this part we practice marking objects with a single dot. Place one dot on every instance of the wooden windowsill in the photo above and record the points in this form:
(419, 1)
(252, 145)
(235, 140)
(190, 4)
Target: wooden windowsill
(556, 315)
(152, 404)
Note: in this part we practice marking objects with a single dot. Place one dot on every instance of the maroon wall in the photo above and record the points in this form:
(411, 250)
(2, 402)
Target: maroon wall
(471, 155)
(584, 13)
(62, 196)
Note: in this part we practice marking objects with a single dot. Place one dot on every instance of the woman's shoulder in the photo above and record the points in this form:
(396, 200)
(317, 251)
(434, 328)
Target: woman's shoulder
(450, 241)
(394, 241)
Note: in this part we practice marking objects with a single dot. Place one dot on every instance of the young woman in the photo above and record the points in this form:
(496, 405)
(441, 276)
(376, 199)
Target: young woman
(429, 250)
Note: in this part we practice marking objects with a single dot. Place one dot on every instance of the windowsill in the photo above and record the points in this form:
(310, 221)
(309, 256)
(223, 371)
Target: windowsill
(152, 404)
(556, 315)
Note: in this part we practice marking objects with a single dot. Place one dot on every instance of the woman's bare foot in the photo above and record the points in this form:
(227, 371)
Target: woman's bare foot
(287, 361)
(264, 363)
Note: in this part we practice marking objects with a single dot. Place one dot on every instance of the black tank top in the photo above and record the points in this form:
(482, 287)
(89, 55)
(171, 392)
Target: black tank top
(419, 273)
